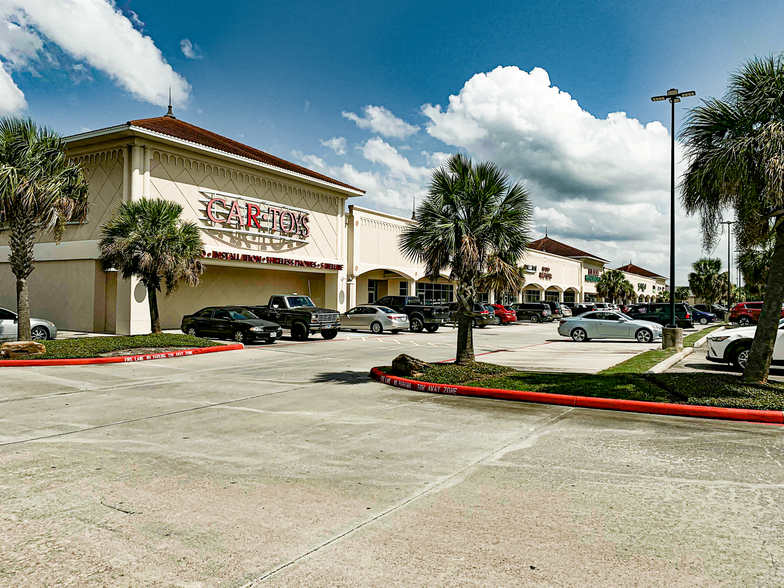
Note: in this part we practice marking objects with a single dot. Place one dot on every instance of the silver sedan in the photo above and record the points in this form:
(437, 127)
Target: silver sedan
(608, 325)
(40, 329)
(376, 318)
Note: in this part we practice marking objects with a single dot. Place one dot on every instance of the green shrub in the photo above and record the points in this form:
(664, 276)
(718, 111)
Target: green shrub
(95, 346)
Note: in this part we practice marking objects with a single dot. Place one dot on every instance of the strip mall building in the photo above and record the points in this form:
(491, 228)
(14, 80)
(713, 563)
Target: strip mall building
(268, 225)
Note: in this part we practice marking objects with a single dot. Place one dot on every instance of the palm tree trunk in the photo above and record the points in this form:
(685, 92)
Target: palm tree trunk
(22, 245)
(758, 366)
(465, 338)
(155, 318)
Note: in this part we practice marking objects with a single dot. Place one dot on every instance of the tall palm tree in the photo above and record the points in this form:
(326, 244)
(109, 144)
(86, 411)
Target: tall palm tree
(475, 223)
(40, 191)
(147, 239)
(612, 285)
(754, 264)
(706, 280)
(735, 151)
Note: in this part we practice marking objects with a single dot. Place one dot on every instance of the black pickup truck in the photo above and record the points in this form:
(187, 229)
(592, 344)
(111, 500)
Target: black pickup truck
(420, 316)
(299, 315)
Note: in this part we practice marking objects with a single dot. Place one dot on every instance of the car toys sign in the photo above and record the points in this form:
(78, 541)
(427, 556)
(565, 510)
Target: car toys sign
(232, 213)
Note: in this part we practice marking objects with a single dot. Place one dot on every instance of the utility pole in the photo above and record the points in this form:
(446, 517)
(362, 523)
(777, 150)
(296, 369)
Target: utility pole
(673, 96)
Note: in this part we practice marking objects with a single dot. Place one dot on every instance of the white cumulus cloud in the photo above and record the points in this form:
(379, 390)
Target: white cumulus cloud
(190, 50)
(309, 160)
(381, 121)
(94, 32)
(337, 144)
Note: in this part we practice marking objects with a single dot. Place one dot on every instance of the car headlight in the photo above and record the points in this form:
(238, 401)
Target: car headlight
(257, 329)
(717, 339)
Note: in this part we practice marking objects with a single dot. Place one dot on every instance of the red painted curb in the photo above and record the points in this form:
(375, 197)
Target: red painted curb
(771, 417)
(119, 359)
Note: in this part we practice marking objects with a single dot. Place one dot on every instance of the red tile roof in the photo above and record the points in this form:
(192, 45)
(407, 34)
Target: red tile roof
(557, 248)
(636, 269)
(181, 130)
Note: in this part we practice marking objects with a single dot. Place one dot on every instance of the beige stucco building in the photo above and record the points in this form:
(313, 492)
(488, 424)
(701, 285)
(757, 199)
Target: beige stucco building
(268, 226)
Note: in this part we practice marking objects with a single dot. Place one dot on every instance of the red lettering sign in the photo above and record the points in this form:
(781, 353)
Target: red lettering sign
(211, 210)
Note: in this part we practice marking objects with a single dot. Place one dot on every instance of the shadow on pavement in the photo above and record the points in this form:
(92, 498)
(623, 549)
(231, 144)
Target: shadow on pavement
(345, 377)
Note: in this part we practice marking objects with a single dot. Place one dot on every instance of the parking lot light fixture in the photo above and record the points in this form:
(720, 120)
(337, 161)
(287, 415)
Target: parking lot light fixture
(672, 96)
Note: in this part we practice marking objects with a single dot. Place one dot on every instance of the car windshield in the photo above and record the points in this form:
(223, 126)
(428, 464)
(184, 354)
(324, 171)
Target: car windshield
(239, 314)
(298, 301)
(626, 316)
(386, 310)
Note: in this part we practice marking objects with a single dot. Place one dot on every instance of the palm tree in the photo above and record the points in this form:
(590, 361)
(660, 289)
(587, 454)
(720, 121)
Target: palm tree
(628, 294)
(475, 223)
(754, 264)
(147, 239)
(682, 293)
(612, 285)
(40, 191)
(664, 296)
(735, 151)
(706, 280)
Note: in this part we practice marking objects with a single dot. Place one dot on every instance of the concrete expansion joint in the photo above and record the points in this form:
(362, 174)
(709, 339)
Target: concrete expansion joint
(446, 482)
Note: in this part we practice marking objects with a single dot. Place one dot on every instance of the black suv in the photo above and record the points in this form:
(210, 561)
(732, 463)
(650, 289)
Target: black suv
(659, 312)
(536, 312)
(420, 316)
(555, 309)
(230, 322)
(582, 308)
(482, 316)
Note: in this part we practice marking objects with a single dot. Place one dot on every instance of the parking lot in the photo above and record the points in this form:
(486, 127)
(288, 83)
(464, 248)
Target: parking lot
(283, 465)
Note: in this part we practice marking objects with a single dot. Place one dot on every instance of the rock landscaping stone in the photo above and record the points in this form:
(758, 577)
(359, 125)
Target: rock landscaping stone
(17, 349)
(406, 366)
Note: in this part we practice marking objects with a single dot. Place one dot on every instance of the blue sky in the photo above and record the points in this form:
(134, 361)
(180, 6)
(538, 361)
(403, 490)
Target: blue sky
(280, 76)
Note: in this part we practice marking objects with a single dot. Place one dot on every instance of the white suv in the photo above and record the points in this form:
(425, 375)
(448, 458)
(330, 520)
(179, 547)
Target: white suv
(733, 346)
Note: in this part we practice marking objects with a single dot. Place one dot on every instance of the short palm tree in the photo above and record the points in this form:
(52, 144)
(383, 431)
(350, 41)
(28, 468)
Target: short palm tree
(474, 223)
(40, 191)
(706, 280)
(612, 285)
(148, 240)
(682, 294)
(735, 151)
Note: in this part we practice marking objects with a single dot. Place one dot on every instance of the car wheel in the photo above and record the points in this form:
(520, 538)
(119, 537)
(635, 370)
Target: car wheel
(376, 328)
(192, 332)
(417, 324)
(579, 335)
(39, 334)
(431, 328)
(299, 332)
(703, 321)
(534, 318)
(331, 334)
(741, 357)
(744, 321)
(644, 336)
(496, 320)
(239, 336)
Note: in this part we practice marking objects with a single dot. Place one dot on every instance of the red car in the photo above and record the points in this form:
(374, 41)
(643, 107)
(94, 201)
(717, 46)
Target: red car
(505, 315)
(747, 313)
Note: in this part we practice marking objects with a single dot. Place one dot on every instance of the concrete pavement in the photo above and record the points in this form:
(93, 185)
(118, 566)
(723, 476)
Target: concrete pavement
(285, 466)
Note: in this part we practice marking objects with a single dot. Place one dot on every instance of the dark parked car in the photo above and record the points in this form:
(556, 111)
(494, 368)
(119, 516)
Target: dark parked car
(555, 309)
(482, 316)
(230, 322)
(659, 312)
(420, 316)
(536, 312)
(702, 317)
(716, 309)
(582, 308)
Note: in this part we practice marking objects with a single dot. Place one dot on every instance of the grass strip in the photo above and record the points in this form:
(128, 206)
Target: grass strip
(95, 346)
(702, 389)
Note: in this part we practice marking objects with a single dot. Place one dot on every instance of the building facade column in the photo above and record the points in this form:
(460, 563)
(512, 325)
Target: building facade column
(132, 309)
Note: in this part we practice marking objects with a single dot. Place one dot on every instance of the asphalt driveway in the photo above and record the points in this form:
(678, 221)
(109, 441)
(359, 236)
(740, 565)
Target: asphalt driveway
(285, 466)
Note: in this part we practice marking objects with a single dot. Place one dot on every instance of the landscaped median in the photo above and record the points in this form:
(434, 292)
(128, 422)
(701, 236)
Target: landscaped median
(123, 349)
(719, 396)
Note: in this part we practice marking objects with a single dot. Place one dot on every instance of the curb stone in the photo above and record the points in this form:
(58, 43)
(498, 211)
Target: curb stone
(673, 359)
(119, 359)
(770, 417)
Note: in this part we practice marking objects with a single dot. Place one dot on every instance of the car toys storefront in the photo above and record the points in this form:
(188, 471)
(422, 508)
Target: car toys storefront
(268, 227)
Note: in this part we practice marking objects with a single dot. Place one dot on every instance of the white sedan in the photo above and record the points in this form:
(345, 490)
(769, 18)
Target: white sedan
(608, 325)
(40, 329)
(733, 346)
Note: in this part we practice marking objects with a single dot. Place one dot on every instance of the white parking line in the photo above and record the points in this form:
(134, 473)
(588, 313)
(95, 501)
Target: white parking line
(412, 343)
(396, 341)
(432, 344)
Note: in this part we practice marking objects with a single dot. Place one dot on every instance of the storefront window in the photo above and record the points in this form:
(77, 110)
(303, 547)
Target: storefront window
(483, 298)
(435, 293)
(533, 295)
(372, 291)
(590, 297)
(569, 296)
(404, 288)
(505, 299)
(552, 296)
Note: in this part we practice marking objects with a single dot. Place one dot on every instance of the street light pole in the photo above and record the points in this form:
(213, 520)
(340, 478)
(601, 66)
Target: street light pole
(673, 96)
(729, 264)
